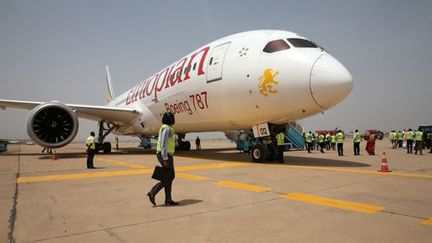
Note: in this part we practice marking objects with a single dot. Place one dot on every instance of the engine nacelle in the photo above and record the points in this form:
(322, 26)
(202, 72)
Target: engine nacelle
(52, 125)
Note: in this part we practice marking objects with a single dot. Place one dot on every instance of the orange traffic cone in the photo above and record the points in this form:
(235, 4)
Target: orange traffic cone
(384, 164)
(54, 155)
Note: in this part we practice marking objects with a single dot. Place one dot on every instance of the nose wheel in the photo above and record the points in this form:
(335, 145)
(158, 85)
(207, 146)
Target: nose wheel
(182, 145)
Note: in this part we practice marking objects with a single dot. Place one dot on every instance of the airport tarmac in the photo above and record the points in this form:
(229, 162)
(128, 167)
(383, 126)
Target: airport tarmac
(223, 197)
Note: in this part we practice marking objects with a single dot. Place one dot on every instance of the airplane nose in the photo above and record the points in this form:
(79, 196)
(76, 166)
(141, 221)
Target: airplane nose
(330, 81)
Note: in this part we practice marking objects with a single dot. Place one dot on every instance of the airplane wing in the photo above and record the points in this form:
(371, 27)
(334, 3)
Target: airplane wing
(92, 112)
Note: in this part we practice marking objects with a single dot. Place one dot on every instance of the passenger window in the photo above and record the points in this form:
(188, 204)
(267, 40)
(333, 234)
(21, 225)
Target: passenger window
(276, 45)
(302, 43)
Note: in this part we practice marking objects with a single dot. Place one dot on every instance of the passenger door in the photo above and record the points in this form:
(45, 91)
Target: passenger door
(215, 64)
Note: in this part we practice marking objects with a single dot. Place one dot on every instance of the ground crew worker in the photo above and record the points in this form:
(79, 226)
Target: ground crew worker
(393, 139)
(356, 142)
(328, 141)
(418, 136)
(313, 142)
(198, 143)
(164, 153)
(333, 141)
(339, 142)
(280, 138)
(409, 139)
(308, 140)
(400, 138)
(321, 141)
(430, 137)
(91, 149)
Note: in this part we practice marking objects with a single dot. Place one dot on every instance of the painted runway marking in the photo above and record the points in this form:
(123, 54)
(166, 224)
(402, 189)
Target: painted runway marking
(98, 174)
(123, 163)
(243, 186)
(427, 222)
(334, 203)
(421, 176)
(193, 177)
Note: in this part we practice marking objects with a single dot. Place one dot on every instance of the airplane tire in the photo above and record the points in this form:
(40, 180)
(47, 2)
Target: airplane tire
(107, 147)
(258, 153)
(187, 146)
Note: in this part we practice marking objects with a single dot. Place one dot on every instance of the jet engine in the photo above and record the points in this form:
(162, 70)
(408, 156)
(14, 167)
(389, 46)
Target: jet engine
(52, 125)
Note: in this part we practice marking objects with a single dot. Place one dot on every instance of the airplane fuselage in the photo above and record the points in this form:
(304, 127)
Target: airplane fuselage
(235, 83)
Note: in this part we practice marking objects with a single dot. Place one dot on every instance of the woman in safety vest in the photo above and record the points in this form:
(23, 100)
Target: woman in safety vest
(164, 152)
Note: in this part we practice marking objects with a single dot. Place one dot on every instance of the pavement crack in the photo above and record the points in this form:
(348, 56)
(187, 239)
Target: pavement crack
(13, 211)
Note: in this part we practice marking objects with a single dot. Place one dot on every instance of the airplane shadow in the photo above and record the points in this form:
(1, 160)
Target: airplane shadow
(223, 154)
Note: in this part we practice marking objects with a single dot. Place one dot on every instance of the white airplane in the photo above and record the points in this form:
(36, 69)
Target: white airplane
(256, 79)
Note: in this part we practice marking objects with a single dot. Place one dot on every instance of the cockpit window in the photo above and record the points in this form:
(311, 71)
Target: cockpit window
(296, 42)
(276, 45)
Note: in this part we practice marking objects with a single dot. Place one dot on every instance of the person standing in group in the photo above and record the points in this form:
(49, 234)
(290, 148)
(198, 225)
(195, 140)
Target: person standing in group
(356, 142)
(164, 153)
(400, 139)
(308, 140)
(370, 145)
(418, 136)
(393, 139)
(328, 141)
(409, 140)
(321, 141)
(280, 140)
(333, 141)
(91, 149)
(198, 143)
(339, 142)
(430, 137)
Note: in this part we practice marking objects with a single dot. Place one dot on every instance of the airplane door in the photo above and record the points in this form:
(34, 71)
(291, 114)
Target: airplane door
(215, 65)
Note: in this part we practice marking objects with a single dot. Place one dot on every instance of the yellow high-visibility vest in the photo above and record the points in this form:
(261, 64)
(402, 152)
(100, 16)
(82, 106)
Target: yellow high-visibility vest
(280, 138)
(339, 137)
(90, 142)
(170, 140)
(357, 137)
(419, 136)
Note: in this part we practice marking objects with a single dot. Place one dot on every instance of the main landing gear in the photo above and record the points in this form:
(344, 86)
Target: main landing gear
(105, 128)
(182, 145)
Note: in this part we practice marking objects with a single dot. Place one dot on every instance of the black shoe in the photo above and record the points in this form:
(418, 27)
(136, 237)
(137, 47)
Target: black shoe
(91, 167)
(151, 198)
(171, 203)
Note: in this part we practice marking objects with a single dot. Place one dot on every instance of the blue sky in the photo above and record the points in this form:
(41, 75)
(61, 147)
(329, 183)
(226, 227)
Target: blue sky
(57, 50)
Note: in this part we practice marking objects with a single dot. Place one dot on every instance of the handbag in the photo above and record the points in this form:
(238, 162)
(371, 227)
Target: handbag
(162, 174)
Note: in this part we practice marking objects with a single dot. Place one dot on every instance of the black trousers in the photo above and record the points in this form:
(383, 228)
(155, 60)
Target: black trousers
(340, 149)
(90, 156)
(167, 185)
(409, 146)
(309, 147)
(322, 145)
(356, 148)
(280, 153)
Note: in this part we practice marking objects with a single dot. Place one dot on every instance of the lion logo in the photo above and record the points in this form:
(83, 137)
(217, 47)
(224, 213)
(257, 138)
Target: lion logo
(267, 81)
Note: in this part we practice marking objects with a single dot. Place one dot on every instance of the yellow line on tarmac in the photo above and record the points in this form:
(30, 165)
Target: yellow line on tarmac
(428, 222)
(243, 186)
(334, 203)
(192, 177)
(82, 175)
(121, 172)
(117, 162)
(359, 171)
